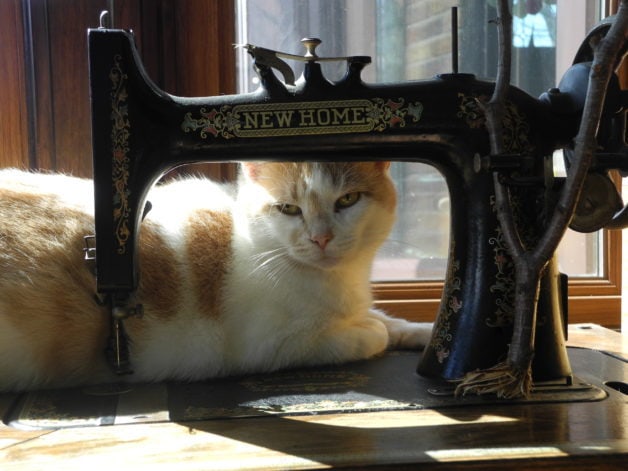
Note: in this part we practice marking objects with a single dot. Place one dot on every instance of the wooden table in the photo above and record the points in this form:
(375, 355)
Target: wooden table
(575, 435)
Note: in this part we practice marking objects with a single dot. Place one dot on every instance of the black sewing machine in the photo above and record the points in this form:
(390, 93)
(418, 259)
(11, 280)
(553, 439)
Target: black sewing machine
(141, 132)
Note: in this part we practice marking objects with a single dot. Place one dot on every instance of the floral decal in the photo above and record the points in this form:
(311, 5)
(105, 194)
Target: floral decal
(120, 133)
(442, 336)
(515, 127)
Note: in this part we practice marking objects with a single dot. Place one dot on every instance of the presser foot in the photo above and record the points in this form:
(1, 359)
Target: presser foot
(117, 351)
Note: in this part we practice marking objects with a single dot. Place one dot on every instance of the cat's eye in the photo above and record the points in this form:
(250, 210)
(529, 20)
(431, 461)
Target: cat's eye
(289, 209)
(347, 200)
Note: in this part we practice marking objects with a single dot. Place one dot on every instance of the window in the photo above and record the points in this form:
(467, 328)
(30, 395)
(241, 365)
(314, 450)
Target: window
(408, 40)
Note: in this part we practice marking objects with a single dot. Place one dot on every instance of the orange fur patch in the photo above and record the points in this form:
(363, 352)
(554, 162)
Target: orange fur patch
(160, 278)
(209, 254)
(47, 286)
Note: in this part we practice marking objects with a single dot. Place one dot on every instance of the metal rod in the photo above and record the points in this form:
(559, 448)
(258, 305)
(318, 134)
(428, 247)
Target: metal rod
(110, 6)
(454, 39)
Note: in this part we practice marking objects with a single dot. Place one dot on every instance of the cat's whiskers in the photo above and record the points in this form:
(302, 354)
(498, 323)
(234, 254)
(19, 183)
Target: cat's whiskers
(267, 258)
(280, 272)
(277, 267)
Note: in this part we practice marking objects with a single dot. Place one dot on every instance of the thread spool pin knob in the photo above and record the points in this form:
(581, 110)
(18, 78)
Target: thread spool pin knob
(310, 46)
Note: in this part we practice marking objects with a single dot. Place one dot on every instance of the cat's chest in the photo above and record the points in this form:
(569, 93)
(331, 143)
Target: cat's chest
(298, 298)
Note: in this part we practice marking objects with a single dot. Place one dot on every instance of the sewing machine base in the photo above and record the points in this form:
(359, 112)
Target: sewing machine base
(491, 435)
(381, 384)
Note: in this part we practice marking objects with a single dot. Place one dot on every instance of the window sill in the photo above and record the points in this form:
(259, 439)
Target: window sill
(420, 302)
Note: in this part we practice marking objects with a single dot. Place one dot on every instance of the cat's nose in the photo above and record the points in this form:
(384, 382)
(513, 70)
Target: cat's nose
(322, 239)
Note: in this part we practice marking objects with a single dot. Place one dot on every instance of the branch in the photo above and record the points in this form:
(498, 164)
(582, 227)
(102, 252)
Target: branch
(606, 52)
(513, 378)
(495, 111)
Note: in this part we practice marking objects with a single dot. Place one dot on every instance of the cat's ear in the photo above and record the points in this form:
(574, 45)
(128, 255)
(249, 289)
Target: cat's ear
(382, 166)
(251, 170)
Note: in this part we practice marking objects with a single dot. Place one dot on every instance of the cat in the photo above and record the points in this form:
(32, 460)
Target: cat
(270, 274)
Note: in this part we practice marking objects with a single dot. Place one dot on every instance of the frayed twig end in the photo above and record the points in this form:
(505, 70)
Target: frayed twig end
(503, 380)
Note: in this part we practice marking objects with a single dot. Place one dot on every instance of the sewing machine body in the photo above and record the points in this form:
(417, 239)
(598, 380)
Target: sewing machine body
(141, 132)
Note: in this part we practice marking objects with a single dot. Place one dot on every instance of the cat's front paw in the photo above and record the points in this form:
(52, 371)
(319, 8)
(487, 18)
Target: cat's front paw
(357, 341)
(403, 334)
(369, 337)
(410, 335)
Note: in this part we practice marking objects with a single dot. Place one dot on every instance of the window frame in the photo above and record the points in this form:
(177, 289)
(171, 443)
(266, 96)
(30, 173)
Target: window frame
(595, 300)
(590, 299)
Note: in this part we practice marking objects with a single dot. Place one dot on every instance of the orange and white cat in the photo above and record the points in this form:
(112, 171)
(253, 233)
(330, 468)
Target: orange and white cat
(269, 275)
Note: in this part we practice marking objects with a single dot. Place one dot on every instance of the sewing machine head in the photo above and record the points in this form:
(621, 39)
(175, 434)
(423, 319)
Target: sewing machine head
(140, 132)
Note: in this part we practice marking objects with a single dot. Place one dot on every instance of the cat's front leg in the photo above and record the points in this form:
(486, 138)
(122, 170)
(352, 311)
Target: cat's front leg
(344, 342)
(403, 334)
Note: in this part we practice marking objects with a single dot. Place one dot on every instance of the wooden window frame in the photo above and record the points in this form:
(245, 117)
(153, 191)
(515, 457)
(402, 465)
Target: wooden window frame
(590, 300)
(596, 300)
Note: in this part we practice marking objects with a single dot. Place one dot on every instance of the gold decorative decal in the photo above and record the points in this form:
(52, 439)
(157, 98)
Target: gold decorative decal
(47, 411)
(303, 118)
(470, 111)
(331, 405)
(442, 336)
(516, 129)
(253, 409)
(309, 381)
(120, 133)
(504, 285)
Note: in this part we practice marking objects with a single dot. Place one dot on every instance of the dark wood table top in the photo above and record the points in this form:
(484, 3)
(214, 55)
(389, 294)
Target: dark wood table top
(566, 435)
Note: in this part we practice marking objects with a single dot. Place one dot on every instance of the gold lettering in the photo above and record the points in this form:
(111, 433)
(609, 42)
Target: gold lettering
(352, 115)
(284, 118)
(307, 118)
(250, 121)
(323, 117)
(359, 115)
(267, 119)
(340, 117)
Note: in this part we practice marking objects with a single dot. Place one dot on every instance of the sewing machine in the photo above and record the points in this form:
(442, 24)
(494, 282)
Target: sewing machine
(141, 132)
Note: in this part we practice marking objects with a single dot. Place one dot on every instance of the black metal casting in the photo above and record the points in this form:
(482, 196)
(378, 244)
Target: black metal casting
(141, 132)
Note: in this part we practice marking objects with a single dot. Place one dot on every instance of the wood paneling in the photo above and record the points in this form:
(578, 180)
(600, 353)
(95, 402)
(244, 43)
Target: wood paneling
(202, 74)
(41, 135)
(45, 109)
(69, 83)
(13, 116)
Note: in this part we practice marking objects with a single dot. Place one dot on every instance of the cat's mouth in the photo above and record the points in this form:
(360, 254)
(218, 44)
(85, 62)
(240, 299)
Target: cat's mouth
(322, 261)
(327, 261)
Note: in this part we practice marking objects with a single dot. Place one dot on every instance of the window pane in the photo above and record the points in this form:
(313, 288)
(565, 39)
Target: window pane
(419, 243)
(409, 40)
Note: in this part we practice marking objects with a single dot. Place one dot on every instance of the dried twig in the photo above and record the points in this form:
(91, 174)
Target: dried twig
(513, 378)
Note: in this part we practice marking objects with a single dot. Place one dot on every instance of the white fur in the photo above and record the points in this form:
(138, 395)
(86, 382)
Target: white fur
(286, 302)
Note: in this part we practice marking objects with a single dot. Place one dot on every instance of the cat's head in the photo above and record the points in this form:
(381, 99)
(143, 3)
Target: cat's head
(321, 214)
